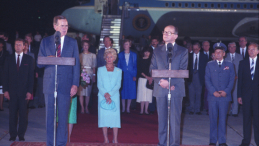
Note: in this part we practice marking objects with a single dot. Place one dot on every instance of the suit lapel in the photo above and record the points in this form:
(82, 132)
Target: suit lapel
(52, 45)
(163, 56)
(64, 49)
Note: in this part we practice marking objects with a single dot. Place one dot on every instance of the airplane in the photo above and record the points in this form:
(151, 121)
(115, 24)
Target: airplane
(224, 20)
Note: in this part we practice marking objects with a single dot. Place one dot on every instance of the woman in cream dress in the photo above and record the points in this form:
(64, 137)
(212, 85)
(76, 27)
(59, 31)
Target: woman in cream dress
(88, 62)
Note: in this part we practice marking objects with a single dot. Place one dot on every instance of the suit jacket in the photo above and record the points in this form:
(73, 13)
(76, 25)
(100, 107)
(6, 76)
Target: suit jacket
(246, 53)
(18, 83)
(179, 62)
(245, 83)
(236, 61)
(219, 78)
(210, 54)
(203, 59)
(67, 75)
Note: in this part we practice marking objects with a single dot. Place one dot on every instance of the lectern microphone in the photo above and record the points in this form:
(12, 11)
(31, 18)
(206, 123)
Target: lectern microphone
(57, 37)
(170, 48)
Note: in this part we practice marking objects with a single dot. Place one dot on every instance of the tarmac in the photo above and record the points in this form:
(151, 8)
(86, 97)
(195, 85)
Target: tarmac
(194, 129)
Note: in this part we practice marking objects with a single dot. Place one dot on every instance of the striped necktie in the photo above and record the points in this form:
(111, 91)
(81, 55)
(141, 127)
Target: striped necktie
(252, 69)
(59, 50)
(195, 64)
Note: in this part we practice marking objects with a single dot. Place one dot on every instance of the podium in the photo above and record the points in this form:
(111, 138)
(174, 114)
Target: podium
(56, 61)
(169, 74)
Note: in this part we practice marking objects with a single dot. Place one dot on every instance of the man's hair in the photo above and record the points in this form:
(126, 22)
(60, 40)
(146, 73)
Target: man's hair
(56, 18)
(20, 40)
(242, 37)
(197, 43)
(253, 44)
(175, 29)
(154, 38)
(106, 37)
(29, 35)
(232, 43)
(205, 42)
(6, 35)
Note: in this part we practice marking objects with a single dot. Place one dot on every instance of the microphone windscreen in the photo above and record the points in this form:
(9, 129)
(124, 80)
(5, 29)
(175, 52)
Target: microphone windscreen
(169, 47)
(57, 36)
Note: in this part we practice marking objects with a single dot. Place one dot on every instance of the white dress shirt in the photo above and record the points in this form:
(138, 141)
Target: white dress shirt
(207, 53)
(20, 58)
(220, 62)
(232, 56)
(166, 45)
(241, 51)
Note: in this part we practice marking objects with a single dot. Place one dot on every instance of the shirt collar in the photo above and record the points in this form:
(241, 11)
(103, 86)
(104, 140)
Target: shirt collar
(166, 45)
(220, 61)
(16, 54)
(253, 59)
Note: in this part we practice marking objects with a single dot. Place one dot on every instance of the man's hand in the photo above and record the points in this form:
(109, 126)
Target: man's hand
(172, 88)
(164, 83)
(134, 78)
(222, 93)
(239, 100)
(73, 90)
(28, 96)
(36, 75)
(51, 56)
(6, 95)
(216, 94)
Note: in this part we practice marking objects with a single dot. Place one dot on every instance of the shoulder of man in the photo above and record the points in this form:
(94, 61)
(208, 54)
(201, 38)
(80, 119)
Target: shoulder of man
(210, 62)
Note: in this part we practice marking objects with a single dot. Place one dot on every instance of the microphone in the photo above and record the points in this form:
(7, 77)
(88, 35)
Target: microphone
(169, 48)
(57, 37)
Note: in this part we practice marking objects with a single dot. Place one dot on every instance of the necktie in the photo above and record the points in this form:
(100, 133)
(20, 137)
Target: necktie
(207, 54)
(219, 64)
(252, 69)
(59, 50)
(232, 58)
(195, 64)
(18, 62)
(243, 53)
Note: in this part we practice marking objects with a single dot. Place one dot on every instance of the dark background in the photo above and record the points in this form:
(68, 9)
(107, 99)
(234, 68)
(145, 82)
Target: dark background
(29, 16)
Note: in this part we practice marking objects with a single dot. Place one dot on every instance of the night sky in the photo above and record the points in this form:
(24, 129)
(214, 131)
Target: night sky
(29, 16)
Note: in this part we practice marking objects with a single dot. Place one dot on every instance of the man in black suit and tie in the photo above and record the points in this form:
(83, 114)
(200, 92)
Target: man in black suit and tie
(18, 86)
(206, 49)
(197, 64)
(247, 93)
(243, 49)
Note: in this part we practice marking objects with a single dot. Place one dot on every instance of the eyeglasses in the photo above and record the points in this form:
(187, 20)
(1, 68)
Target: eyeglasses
(63, 26)
(167, 33)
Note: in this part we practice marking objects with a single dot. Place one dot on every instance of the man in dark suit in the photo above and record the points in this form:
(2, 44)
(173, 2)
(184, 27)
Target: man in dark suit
(197, 64)
(67, 78)
(242, 47)
(107, 45)
(18, 86)
(179, 62)
(206, 49)
(247, 93)
(219, 80)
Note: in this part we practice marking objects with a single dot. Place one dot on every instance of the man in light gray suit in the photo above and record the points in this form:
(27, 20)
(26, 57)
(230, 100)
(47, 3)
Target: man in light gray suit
(107, 45)
(67, 78)
(219, 80)
(179, 62)
(235, 58)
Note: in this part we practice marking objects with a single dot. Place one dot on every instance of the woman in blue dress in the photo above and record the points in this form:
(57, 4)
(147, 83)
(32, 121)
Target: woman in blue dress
(128, 63)
(109, 83)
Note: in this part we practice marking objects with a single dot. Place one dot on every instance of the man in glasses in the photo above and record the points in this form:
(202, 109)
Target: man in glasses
(179, 62)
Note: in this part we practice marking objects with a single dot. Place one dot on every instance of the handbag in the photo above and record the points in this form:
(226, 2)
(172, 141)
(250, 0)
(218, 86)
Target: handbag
(150, 86)
(107, 106)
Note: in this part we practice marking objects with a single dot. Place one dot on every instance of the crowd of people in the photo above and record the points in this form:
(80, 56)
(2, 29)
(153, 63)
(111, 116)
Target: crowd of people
(220, 78)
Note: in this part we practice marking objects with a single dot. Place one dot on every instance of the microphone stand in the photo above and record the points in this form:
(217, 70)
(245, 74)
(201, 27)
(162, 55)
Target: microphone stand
(55, 98)
(169, 103)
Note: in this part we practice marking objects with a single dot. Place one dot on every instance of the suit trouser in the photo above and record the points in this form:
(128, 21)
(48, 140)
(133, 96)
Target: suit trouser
(250, 112)
(175, 120)
(195, 89)
(63, 106)
(17, 104)
(218, 131)
(39, 96)
(152, 106)
(234, 96)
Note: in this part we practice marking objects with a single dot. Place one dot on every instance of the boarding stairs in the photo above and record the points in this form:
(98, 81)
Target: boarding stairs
(111, 26)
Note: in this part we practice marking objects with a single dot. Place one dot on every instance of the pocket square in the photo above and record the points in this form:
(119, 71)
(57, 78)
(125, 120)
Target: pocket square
(226, 68)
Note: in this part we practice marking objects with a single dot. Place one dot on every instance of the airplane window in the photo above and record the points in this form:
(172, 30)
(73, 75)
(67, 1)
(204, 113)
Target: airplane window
(257, 6)
(231, 5)
(186, 4)
(192, 4)
(225, 5)
(173, 4)
(199, 5)
(180, 4)
(251, 6)
(218, 5)
(238, 5)
(205, 5)
(245, 6)
(212, 5)
(166, 4)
